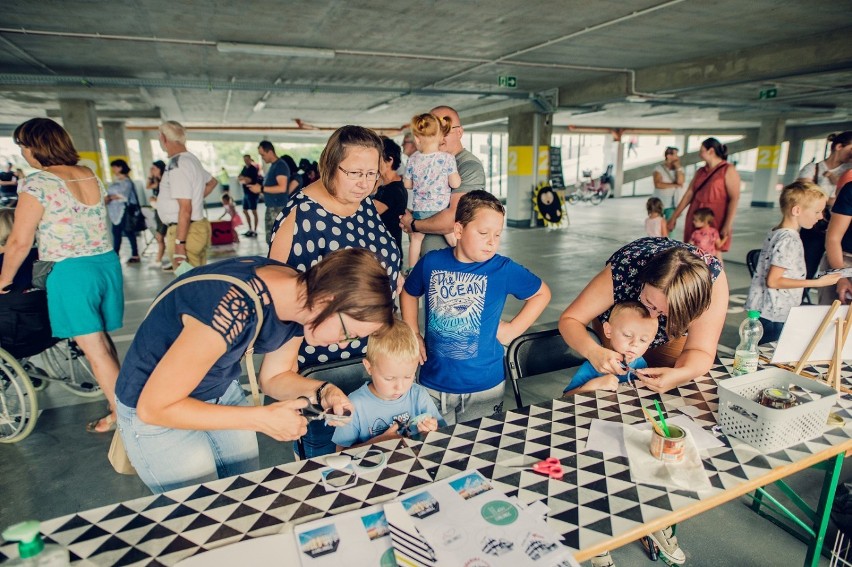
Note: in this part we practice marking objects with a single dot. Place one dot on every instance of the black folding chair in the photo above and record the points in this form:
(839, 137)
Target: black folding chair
(538, 353)
(751, 260)
(348, 375)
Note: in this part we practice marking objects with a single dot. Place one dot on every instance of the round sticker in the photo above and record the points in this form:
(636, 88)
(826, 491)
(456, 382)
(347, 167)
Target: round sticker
(499, 513)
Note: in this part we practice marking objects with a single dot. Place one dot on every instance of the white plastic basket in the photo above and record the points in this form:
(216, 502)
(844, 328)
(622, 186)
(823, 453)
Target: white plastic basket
(769, 429)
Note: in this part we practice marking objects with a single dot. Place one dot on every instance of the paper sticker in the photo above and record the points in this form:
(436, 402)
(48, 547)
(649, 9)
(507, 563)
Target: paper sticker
(499, 513)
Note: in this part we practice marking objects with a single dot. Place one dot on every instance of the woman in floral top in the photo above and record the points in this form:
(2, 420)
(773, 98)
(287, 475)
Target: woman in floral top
(65, 203)
(687, 291)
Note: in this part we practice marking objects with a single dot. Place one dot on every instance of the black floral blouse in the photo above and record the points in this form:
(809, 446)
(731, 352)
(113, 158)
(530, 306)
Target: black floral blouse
(628, 262)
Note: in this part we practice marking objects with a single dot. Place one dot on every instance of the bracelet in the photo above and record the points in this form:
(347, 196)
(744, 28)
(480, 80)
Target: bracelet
(180, 256)
(413, 228)
(319, 392)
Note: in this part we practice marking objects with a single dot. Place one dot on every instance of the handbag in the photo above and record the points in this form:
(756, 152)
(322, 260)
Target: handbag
(133, 219)
(117, 454)
(41, 269)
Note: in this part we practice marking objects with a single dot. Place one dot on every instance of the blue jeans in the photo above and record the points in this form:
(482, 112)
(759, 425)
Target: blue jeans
(167, 458)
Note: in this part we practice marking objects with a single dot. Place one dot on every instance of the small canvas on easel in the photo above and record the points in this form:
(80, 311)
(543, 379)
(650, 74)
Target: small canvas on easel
(803, 324)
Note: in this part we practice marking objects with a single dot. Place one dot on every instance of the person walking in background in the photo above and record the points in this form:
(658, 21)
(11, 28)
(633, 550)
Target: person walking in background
(275, 186)
(120, 193)
(155, 174)
(233, 216)
(183, 188)
(431, 176)
(655, 224)
(85, 292)
(224, 180)
(715, 186)
(249, 176)
(668, 181)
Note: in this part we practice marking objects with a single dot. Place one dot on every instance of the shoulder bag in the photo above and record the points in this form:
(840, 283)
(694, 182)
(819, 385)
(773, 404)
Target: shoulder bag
(117, 453)
(134, 220)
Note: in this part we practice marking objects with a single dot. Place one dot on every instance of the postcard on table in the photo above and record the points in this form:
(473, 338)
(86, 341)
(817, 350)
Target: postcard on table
(360, 537)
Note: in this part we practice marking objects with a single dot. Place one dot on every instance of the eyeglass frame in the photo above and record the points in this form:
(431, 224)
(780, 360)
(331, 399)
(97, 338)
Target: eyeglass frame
(360, 175)
(346, 337)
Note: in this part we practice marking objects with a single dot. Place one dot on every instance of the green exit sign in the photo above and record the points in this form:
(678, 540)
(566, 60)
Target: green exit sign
(768, 93)
(507, 81)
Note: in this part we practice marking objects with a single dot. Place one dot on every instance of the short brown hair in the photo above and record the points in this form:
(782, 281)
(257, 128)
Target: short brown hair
(49, 143)
(398, 342)
(335, 151)
(654, 205)
(705, 215)
(352, 281)
(685, 280)
(634, 306)
(472, 201)
(799, 193)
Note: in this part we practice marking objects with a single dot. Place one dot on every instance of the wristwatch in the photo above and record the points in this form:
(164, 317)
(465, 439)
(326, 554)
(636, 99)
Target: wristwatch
(413, 228)
(179, 242)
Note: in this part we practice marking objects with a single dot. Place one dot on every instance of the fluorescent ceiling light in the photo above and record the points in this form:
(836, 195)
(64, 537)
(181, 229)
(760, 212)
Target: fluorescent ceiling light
(273, 50)
(259, 105)
(378, 108)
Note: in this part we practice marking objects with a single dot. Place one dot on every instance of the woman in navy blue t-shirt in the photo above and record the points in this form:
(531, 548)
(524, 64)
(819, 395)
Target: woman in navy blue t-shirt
(180, 379)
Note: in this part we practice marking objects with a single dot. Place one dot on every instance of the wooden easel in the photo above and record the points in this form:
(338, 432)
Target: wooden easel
(842, 327)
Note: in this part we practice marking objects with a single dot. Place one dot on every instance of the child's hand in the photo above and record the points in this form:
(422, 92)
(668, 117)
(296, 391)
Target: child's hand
(606, 361)
(426, 425)
(505, 334)
(828, 279)
(422, 344)
(671, 224)
(392, 432)
(605, 382)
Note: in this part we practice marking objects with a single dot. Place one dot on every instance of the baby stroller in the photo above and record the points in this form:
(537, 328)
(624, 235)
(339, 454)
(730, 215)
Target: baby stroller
(24, 333)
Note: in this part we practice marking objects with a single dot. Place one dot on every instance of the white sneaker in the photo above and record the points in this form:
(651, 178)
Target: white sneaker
(603, 560)
(670, 551)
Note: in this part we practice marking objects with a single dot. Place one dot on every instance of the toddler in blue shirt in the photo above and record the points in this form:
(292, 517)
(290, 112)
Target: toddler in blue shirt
(391, 404)
(631, 329)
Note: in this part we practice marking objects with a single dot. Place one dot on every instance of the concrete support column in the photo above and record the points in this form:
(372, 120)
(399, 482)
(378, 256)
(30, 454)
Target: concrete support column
(614, 154)
(529, 164)
(116, 144)
(147, 157)
(81, 121)
(769, 140)
(794, 158)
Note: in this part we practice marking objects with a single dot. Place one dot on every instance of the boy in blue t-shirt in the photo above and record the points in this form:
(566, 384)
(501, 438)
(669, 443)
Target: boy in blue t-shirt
(391, 404)
(630, 329)
(466, 288)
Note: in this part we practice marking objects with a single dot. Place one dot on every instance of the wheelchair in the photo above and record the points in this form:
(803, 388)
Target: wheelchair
(24, 335)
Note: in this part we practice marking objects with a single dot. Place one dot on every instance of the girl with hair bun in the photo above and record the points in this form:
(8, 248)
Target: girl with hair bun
(716, 186)
(431, 174)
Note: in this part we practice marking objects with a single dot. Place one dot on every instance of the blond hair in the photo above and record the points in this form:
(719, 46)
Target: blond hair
(634, 306)
(705, 215)
(799, 193)
(430, 126)
(7, 217)
(685, 280)
(397, 341)
(173, 131)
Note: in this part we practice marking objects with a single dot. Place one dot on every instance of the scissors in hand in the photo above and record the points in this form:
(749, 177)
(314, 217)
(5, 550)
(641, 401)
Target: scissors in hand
(631, 382)
(314, 412)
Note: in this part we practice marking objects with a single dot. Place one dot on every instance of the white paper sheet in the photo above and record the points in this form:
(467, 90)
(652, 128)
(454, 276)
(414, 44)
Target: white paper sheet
(270, 551)
(645, 469)
(606, 437)
(802, 324)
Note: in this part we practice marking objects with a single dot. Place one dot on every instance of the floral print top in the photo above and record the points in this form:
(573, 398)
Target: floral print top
(68, 228)
(630, 260)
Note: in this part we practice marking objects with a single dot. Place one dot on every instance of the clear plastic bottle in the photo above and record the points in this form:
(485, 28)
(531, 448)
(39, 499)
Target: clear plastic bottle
(746, 356)
(31, 548)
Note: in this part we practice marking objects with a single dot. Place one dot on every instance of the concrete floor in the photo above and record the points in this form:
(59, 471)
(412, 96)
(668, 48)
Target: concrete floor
(60, 469)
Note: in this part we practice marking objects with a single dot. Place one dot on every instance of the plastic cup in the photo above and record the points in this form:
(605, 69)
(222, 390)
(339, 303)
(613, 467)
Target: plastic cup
(669, 449)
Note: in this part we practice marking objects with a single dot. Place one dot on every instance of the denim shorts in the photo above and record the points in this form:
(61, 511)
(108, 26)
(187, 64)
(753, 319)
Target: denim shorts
(167, 458)
(85, 295)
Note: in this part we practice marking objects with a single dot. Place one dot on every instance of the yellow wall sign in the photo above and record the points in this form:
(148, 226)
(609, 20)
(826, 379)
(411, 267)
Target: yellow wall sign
(92, 160)
(768, 157)
(521, 160)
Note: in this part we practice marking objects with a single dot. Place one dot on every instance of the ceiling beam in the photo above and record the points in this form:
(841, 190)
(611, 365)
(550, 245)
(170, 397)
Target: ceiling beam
(115, 114)
(826, 52)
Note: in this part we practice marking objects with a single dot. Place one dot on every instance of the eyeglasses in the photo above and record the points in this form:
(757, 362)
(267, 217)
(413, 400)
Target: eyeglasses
(346, 337)
(358, 175)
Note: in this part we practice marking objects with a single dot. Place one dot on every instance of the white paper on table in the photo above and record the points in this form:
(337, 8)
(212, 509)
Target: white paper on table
(802, 324)
(689, 474)
(606, 437)
(703, 439)
(359, 537)
(269, 551)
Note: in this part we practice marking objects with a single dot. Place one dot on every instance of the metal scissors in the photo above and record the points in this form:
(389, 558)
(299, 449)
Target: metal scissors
(630, 379)
(315, 412)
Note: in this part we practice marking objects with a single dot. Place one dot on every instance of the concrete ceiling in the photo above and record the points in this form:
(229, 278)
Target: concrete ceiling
(681, 64)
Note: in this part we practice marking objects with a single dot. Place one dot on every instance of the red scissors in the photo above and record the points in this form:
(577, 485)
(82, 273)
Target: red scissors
(550, 466)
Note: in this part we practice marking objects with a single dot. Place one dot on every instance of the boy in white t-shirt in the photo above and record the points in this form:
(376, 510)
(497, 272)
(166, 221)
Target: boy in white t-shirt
(780, 274)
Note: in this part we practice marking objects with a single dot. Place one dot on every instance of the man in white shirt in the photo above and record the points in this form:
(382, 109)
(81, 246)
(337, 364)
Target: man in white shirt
(180, 204)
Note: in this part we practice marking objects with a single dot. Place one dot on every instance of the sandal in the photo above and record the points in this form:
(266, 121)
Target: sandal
(96, 427)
